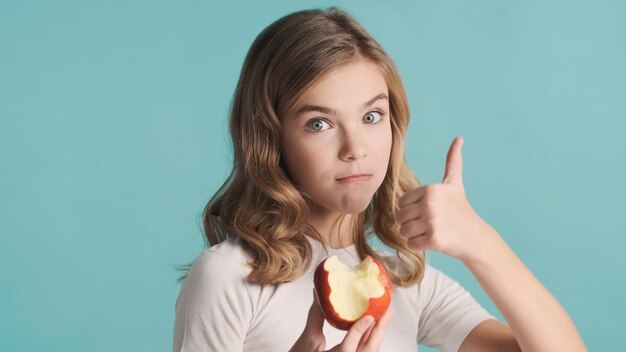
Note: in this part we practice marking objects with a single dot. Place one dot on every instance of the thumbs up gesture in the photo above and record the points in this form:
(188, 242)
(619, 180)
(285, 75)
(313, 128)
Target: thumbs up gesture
(438, 216)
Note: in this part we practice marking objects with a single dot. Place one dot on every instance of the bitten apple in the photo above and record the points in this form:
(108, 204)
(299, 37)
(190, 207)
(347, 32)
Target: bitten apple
(349, 293)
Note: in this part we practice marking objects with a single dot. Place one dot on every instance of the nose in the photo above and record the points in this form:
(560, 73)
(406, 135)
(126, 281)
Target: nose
(353, 147)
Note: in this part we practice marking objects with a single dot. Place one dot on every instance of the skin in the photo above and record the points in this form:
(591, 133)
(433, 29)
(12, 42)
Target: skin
(363, 335)
(319, 148)
(431, 217)
(439, 217)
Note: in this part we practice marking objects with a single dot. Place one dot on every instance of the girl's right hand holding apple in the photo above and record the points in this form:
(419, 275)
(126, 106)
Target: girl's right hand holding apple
(362, 336)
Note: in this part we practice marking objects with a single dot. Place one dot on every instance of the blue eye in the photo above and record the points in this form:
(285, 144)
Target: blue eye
(368, 120)
(317, 124)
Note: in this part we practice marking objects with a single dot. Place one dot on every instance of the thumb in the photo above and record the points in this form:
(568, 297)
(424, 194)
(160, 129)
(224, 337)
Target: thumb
(354, 335)
(454, 163)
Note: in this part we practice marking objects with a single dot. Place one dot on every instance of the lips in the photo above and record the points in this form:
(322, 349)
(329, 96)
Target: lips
(354, 177)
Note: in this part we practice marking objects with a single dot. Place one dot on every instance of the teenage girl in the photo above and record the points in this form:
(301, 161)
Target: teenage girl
(318, 121)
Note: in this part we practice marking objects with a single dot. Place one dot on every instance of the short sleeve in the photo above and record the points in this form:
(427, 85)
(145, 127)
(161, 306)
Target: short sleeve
(213, 309)
(449, 312)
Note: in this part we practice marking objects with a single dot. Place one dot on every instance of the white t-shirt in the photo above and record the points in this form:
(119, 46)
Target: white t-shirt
(217, 310)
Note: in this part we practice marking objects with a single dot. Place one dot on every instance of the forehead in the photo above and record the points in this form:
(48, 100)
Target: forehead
(347, 87)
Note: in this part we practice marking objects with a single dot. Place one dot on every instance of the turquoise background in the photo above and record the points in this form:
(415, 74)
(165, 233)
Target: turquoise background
(113, 136)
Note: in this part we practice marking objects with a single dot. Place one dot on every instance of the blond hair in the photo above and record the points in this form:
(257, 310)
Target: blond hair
(261, 205)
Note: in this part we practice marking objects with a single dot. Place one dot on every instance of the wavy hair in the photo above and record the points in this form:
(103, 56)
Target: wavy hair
(262, 205)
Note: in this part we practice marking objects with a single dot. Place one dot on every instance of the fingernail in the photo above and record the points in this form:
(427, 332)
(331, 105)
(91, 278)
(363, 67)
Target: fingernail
(369, 320)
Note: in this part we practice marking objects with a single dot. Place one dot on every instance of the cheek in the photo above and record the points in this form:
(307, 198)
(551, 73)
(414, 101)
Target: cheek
(389, 144)
(304, 163)
(381, 142)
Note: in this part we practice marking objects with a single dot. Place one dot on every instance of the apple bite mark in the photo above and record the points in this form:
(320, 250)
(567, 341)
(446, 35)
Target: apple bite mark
(352, 288)
(348, 293)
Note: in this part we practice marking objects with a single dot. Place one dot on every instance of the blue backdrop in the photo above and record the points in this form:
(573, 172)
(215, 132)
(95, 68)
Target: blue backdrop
(113, 136)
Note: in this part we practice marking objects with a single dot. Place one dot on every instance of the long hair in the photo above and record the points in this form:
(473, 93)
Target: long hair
(260, 204)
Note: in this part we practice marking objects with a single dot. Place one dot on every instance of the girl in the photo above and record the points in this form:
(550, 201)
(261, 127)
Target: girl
(318, 122)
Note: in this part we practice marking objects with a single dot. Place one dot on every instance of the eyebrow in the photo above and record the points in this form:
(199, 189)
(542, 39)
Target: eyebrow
(329, 111)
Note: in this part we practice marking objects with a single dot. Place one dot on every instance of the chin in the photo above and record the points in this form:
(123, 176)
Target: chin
(355, 207)
(342, 204)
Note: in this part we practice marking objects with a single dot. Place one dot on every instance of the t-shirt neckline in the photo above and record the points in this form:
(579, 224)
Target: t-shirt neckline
(349, 248)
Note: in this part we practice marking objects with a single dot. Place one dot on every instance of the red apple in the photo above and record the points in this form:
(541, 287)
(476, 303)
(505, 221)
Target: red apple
(349, 293)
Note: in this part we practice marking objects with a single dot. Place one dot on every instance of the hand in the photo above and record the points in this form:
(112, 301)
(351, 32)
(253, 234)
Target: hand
(439, 217)
(362, 336)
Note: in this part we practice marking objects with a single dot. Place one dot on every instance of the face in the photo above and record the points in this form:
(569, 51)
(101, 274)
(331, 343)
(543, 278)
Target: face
(339, 128)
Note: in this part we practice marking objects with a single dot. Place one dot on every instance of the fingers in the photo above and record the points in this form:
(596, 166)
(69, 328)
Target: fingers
(409, 212)
(375, 338)
(420, 243)
(411, 197)
(367, 333)
(355, 334)
(413, 229)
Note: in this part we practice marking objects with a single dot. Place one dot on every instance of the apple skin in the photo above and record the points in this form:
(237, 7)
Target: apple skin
(376, 308)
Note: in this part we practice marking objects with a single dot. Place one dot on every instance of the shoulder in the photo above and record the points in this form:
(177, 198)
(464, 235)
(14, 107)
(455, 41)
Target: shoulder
(432, 274)
(448, 312)
(214, 306)
(220, 270)
(225, 259)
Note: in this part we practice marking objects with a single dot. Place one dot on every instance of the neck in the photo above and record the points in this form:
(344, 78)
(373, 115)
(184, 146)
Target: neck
(335, 228)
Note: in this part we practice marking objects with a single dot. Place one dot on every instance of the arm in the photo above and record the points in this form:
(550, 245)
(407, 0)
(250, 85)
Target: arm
(535, 317)
(439, 217)
(490, 335)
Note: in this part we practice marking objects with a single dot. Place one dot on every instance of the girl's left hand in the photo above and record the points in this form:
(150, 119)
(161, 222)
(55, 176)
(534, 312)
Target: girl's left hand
(439, 217)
